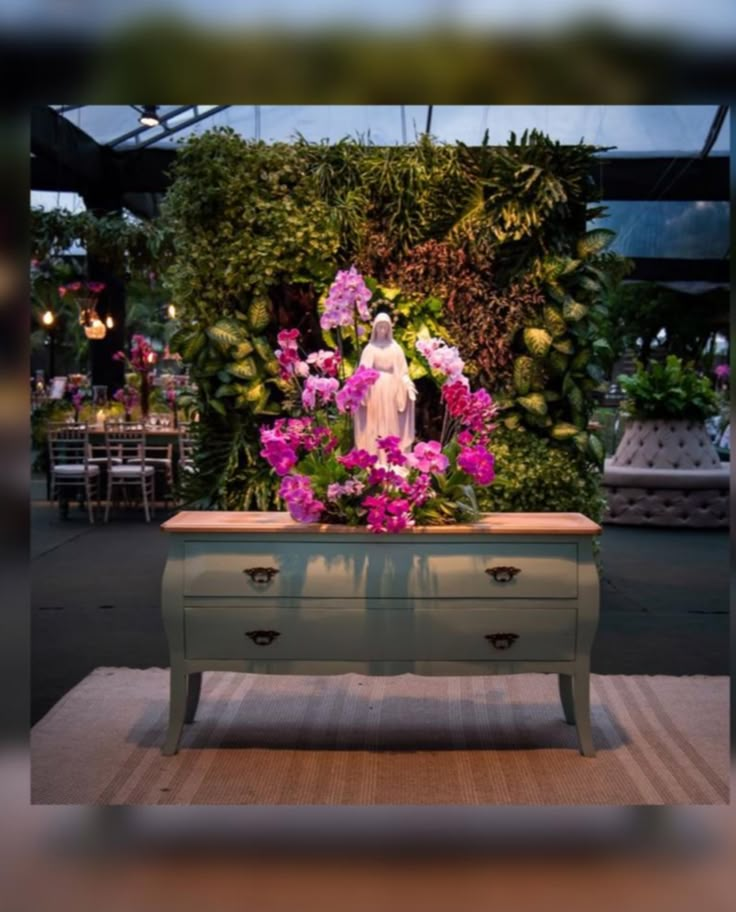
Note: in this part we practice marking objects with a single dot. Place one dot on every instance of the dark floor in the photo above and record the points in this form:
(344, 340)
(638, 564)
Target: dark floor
(95, 600)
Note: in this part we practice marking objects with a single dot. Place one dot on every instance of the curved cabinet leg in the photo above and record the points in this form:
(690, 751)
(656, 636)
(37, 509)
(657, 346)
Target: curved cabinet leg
(581, 702)
(177, 710)
(194, 686)
(566, 697)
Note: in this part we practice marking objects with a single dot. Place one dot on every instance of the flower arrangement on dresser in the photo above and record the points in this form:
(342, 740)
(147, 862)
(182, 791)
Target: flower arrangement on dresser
(326, 478)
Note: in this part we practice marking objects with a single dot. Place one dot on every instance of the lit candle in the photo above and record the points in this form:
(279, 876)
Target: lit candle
(100, 416)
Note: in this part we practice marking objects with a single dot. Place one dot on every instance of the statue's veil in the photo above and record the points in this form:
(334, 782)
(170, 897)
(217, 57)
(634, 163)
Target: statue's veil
(382, 318)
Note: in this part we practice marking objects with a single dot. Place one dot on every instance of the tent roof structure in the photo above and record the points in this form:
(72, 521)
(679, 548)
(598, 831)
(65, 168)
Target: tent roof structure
(664, 168)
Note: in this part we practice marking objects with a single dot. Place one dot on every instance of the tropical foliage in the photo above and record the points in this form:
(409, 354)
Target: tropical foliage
(668, 390)
(535, 475)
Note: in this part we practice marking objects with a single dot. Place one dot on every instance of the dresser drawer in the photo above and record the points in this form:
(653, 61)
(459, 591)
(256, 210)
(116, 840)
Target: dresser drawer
(327, 570)
(269, 631)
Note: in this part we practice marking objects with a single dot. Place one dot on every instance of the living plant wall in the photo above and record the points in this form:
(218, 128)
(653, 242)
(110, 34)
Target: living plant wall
(484, 246)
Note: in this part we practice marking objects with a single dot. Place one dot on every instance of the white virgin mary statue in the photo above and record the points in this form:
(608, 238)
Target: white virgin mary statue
(388, 409)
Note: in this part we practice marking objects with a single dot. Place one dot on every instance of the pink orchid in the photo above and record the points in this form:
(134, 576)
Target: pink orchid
(428, 457)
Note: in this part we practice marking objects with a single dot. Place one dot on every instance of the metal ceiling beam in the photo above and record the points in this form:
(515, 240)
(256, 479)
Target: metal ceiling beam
(145, 170)
(65, 153)
(636, 178)
(183, 125)
(663, 269)
(143, 129)
(715, 129)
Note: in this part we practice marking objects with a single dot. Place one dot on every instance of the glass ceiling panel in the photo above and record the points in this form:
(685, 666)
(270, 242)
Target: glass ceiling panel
(636, 129)
(668, 228)
(723, 143)
(61, 199)
(105, 123)
(631, 128)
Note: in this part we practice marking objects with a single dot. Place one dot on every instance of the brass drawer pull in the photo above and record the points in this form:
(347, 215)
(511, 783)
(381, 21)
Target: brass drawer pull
(503, 574)
(502, 640)
(263, 637)
(261, 574)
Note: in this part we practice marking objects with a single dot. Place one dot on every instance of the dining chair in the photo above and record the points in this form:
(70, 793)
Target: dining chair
(69, 465)
(161, 457)
(127, 442)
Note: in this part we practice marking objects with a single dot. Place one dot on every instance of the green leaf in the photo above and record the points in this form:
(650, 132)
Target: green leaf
(259, 313)
(581, 441)
(255, 390)
(570, 266)
(540, 421)
(581, 359)
(417, 370)
(565, 346)
(242, 350)
(388, 293)
(226, 389)
(192, 346)
(226, 334)
(558, 362)
(572, 310)
(263, 349)
(603, 345)
(563, 431)
(534, 403)
(553, 321)
(523, 367)
(596, 448)
(575, 398)
(245, 369)
(594, 242)
(512, 421)
(209, 368)
(537, 341)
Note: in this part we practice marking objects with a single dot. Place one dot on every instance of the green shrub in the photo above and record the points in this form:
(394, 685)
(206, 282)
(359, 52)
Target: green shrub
(670, 390)
(534, 475)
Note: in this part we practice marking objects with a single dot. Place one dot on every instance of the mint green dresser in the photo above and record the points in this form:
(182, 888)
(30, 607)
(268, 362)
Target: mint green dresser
(258, 592)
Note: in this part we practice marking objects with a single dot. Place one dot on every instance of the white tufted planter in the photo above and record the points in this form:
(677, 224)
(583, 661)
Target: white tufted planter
(666, 473)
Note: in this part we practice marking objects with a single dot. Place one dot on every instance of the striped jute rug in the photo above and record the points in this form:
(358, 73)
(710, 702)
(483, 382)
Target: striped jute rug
(359, 740)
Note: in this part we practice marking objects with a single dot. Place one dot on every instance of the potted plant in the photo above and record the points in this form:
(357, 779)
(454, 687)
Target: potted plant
(666, 406)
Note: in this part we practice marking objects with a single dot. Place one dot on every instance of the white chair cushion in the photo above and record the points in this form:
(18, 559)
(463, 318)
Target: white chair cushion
(102, 460)
(75, 469)
(130, 471)
(156, 460)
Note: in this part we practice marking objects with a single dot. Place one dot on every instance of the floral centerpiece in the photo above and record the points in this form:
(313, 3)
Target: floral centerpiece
(77, 392)
(141, 361)
(326, 479)
(128, 397)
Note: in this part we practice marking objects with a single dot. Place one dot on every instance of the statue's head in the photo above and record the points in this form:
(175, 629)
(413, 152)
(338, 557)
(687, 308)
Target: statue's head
(382, 329)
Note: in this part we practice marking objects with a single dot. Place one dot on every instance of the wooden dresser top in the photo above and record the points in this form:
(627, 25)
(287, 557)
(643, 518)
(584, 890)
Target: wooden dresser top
(220, 521)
